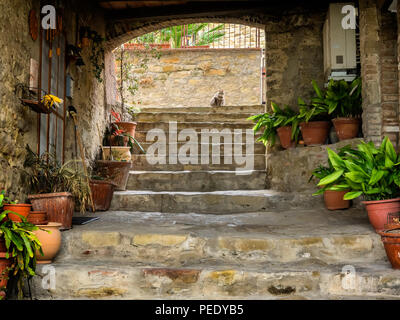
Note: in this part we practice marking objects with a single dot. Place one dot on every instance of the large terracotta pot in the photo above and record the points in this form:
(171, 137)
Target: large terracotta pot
(285, 136)
(116, 172)
(22, 209)
(346, 128)
(391, 241)
(51, 242)
(334, 200)
(378, 211)
(59, 207)
(127, 127)
(102, 194)
(118, 153)
(315, 132)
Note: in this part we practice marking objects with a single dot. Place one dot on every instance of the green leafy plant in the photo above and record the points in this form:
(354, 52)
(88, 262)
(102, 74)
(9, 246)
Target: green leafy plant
(270, 122)
(342, 99)
(316, 109)
(97, 53)
(22, 245)
(133, 111)
(45, 174)
(368, 171)
(330, 178)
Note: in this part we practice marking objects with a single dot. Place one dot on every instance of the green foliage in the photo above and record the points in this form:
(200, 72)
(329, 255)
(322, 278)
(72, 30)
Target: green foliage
(21, 244)
(97, 54)
(198, 32)
(127, 79)
(340, 99)
(368, 170)
(270, 122)
(45, 174)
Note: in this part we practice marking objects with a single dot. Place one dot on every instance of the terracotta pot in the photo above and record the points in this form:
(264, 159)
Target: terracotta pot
(3, 247)
(378, 211)
(391, 241)
(37, 217)
(285, 136)
(59, 207)
(102, 194)
(85, 42)
(22, 209)
(116, 172)
(127, 127)
(334, 200)
(4, 266)
(51, 242)
(118, 153)
(315, 132)
(346, 128)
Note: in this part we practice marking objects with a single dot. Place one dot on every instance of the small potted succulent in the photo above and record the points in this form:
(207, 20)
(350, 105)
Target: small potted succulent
(281, 122)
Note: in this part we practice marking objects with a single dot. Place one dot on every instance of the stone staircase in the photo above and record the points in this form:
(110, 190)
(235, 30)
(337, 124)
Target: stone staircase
(203, 231)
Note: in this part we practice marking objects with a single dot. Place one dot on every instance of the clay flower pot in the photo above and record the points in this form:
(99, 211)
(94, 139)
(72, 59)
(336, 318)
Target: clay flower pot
(118, 153)
(285, 134)
(391, 241)
(102, 194)
(116, 172)
(22, 209)
(346, 128)
(38, 217)
(51, 242)
(379, 210)
(315, 132)
(59, 207)
(4, 271)
(334, 200)
(128, 128)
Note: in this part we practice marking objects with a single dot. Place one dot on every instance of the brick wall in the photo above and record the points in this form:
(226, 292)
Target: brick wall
(378, 45)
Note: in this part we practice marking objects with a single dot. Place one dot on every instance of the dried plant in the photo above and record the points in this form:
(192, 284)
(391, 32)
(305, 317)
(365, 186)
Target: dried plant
(45, 174)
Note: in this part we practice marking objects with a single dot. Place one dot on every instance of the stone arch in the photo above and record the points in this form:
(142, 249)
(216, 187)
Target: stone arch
(121, 32)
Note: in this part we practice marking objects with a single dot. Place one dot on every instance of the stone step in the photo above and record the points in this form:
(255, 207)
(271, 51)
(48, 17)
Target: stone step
(148, 162)
(192, 116)
(166, 126)
(259, 148)
(215, 202)
(83, 280)
(195, 180)
(177, 240)
(256, 109)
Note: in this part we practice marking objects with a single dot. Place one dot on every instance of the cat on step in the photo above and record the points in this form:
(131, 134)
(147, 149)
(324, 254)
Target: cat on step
(218, 100)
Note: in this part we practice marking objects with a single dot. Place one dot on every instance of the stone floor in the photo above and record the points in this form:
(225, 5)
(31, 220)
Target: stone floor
(292, 254)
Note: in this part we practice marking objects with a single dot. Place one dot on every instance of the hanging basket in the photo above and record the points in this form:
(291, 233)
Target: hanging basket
(29, 97)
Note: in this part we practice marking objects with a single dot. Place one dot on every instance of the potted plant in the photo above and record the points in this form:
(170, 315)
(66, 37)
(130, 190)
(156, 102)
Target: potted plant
(17, 251)
(281, 122)
(14, 210)
(55, 187)
(314, 119)
(371, 172)
(332, 184)
(49, 236)
(102, 190)
(344, 103)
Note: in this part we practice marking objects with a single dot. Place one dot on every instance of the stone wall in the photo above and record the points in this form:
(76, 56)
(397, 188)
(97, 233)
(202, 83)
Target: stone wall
(290, 170)
(190, 77)
(18, 124)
